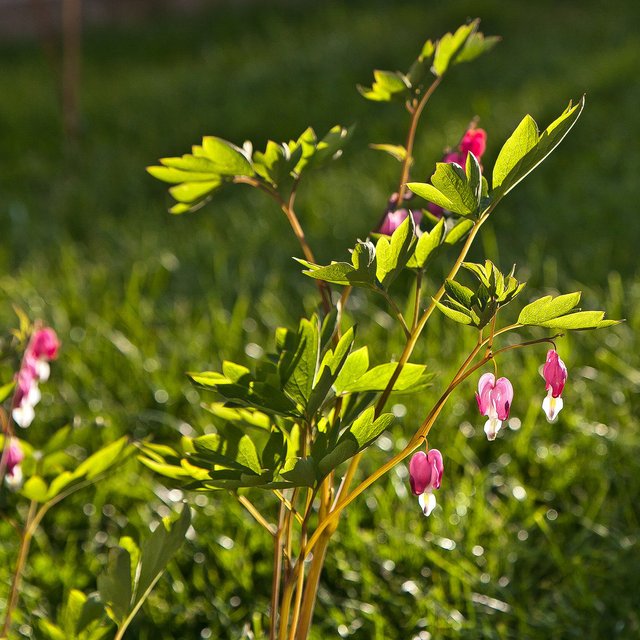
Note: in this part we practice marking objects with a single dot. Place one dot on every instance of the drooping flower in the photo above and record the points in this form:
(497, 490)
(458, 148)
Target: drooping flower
(494, 401)
(425, 475)
(42, 348)
(554, 373)
(475, 141)
(14, 456)
(394, 217)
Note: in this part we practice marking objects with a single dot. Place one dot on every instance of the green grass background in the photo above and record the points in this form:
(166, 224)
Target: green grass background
(538, 533)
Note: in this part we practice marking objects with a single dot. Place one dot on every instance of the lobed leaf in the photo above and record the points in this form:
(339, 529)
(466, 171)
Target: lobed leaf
(548, 308)
(526, 149)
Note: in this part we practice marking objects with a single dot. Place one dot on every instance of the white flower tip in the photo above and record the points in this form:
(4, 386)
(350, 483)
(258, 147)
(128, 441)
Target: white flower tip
(427, 502)
(14, 480)
(552, 407)
(23, 416)
(491, 428)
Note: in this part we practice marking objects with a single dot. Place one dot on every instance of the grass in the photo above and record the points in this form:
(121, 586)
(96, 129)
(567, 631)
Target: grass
(537, 533)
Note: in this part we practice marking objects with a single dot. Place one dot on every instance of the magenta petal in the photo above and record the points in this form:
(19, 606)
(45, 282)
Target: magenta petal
(485, 389)
(420, 471)
(502, 397)
(44, 344)
(437, 467)
(474, 140)
(555, 374)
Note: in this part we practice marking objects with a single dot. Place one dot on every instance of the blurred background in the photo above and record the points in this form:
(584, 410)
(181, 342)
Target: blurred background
(537, 533)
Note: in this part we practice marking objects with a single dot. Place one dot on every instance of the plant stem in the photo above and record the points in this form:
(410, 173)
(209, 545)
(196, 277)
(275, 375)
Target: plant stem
(416, 302)
(249, 506)
(391, 302)
(411, 135)
(311, 588)
(287, 209)
(277, 574)
(23, 552)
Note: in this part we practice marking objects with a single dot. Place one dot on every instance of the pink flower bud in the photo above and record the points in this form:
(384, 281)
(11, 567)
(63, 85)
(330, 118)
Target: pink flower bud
(494, 399)
(555, 374)
(474, 141)
(425, 475)
(44, 344)
(394, 219)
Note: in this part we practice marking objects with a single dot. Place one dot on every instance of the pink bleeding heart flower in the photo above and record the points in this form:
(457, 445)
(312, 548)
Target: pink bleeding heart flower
(42, 348)
(555, 375)
(425, 475)
(14, 456)
(494, 399)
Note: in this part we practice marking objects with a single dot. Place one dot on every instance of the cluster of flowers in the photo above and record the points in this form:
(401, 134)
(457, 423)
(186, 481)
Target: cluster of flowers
(494, 399)
(42, 348)
(474, 141)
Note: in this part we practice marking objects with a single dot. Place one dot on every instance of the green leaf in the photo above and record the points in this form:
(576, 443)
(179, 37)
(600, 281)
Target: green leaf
(390, 81)
(396, 151)
(459, 293)
(449, 189)
(59, 483)
(300, 471)
(314, 152)
(579, 320)
(458, 232)
(228, 159)
(169, 470)
(51, 631)
(236, 450)
(393, 254)
(427, 245)
(525, 150)
(453, 314)
(386, 85)
(6, 390)
(474, 176)
(522, 140)
(248, 455)
(354, 368)
(475, 45)
(329, 369)
(115, 585)
(343, 450)
(103, 459)
(378, 378)
(298, 369)
(365, 429)
(189, 192)
(35, 488)
(362, 433)
(175, 176)
(157, 551)
(428, 50)
(449, 46)
(548, 308)
(362, 271)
